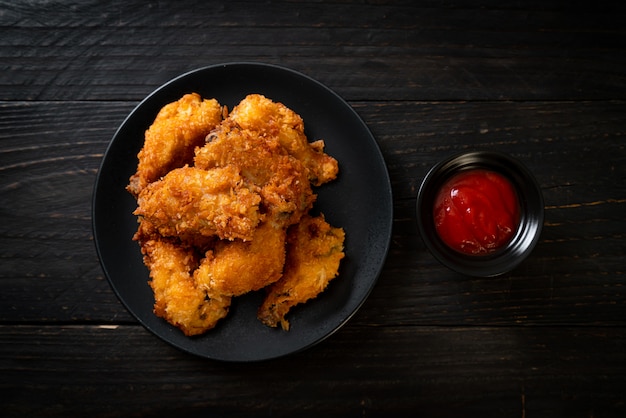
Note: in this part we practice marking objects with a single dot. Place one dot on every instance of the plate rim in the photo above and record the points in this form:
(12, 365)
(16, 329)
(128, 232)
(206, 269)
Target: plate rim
(388, 199)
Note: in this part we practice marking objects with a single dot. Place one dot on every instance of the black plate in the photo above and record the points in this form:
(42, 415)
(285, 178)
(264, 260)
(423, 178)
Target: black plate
(359, 201)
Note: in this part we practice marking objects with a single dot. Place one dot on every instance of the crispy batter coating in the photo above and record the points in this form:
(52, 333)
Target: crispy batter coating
(237, 267)
(171, 139)
(178, 298)
(282, 179)
(314, 252)
(268, 118)
(222, 205)
(190, 201)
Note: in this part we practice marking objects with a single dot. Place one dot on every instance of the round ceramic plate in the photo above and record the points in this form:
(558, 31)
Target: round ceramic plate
(359, 201)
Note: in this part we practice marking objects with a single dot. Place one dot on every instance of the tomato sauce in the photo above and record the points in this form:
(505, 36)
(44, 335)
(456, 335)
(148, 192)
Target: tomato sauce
(476, 212)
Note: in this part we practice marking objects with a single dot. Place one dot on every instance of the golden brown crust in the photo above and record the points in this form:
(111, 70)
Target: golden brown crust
(171, 139)
(235, 268)
(314, 252)
(268, 118)
(281, 178)
(190, 201)
(214, 213)
(178, 298)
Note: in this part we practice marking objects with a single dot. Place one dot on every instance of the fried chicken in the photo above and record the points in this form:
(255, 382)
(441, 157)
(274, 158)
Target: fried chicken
(223, 207)
(314, 252)
(178, 298)
(265, 117)
(171, 139)
(189, 201)
(237, 267)
(285, 191)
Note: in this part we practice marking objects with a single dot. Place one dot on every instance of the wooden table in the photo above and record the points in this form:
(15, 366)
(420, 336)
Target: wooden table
(544, 81)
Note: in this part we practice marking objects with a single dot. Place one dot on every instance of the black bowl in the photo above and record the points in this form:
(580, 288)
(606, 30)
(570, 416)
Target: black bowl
(530, 223)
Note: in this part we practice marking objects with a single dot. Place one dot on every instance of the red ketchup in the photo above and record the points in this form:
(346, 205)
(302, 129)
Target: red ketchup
(476, 212)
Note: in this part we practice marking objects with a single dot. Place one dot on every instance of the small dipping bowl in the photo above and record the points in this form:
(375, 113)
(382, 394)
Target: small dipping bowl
(531, 213)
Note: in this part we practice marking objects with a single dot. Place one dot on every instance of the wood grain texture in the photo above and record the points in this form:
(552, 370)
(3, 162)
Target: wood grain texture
(544, 81)
(447, 372)
(378, 51)
(575, 276)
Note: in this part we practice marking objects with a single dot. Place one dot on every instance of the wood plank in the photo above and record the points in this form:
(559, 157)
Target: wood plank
(433, 371)
(50, 271)
(541, 80)
(560, 142)
(50, 154)
(379, 51)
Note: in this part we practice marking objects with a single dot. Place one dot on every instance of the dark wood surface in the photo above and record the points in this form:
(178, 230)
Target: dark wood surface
(542, 80)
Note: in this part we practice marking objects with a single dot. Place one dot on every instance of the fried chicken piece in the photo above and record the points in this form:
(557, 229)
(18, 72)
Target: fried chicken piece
(267, 118)
(223, 206)
(189, 201)
(237, 267)
(178, 298)
(284, 186)
(171, 139)
(314, 252)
